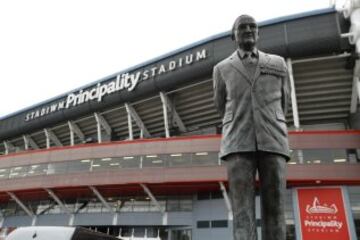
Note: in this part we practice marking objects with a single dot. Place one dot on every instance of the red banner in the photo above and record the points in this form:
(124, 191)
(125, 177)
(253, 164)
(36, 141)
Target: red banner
(322, 214)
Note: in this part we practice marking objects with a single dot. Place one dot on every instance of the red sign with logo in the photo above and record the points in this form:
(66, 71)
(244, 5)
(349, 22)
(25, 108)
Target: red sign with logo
(322, 214)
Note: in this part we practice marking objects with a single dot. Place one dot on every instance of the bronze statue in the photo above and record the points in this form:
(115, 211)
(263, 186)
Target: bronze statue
(251, 92)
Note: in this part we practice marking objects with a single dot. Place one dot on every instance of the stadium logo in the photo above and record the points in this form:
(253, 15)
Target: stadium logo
(122, 82)
(317, 208)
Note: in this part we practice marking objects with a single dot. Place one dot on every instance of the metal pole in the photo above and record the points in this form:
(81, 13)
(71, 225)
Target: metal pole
(131, 134)
(166, 119)
(293, 95)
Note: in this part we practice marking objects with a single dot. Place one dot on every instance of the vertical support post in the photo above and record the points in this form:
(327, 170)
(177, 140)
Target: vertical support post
(58, 201)
(137, 119)
(165, 113)
(154, 201)
(47, 138)
(294, 106)
(293, 95)
(98, 127)
(227, 200)
(131, 135)
(72, 142)
(21, 204)
(29, 142)
(101, 198)
(26, 142)
(7, 148)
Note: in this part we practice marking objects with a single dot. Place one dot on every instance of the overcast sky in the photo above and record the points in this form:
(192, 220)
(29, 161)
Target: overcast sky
(50, 47)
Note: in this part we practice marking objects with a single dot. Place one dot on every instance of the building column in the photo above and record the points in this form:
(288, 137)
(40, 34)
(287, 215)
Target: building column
(29, 142)
(51, 136)
(143, 130)
(101, 122)
(23, 207)
(154, 201)
(105, 204)
(294, 107)
(165, 113)
(227, 201)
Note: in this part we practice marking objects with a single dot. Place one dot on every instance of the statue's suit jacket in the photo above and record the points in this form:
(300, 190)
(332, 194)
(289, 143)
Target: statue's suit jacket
(253, 108)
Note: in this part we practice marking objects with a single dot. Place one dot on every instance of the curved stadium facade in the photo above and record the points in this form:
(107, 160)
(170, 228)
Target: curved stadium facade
(136, 153)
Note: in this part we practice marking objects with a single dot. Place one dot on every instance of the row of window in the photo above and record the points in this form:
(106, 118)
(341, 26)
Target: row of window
(163, 160)
(111, 163)
(212, 224)
(93, 205)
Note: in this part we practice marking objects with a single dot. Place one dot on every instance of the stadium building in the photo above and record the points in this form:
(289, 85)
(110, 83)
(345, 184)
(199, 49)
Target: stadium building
(136, 153)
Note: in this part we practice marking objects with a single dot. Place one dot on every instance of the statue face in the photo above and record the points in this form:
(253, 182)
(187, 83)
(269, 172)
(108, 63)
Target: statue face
(246, 33)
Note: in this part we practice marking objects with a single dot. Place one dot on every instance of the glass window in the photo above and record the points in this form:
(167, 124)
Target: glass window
(203, 224)
(318, 156)
(95, 207)
(4, 173)
(81, 205)
(219, 224)
(57, 168)
(126, 205)
(152, 232)
(179, 159)
(9, 209)
(17, 172)
(126, 232)
(139, 232)
(216, 195)
(205, 158)
(186, 205)
(154, 160)
(130, 162)
(102, 164)
(203, 196)
(37, 169)
(141, 205)
(83, 165)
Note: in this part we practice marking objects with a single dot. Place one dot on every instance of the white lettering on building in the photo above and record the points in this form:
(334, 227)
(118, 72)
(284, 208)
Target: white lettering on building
(124, 81)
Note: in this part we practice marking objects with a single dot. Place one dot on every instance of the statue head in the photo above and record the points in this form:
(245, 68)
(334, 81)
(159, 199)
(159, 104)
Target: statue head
(245, 32)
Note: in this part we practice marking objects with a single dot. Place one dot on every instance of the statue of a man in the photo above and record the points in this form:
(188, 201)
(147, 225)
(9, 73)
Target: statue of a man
(251, 92)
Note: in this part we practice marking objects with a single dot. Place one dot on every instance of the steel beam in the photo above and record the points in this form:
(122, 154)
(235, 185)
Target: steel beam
(293, 95)
(51, 136)
(130, 110)
(154, 201)
(102, 199)
(227, 200)
(29, 142)
(171, 108)
(8, 146)
(21, 204)
(131, 134)
(355, 95)
(165, 113)
(75, 130)
(101, 122)
(152, 197)
(57, 200)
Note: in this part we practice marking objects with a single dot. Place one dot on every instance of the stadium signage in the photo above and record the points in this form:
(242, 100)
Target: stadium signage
(123, 82)
(323, 213)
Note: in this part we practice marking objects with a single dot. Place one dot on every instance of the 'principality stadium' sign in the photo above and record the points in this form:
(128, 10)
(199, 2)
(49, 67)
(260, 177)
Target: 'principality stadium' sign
(323, 213)
(124, 81)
